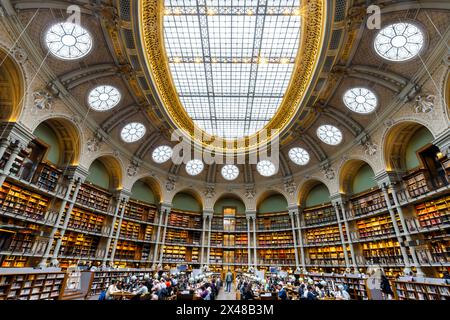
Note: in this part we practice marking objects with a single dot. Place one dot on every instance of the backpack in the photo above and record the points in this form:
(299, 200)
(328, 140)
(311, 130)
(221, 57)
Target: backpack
(102, 295)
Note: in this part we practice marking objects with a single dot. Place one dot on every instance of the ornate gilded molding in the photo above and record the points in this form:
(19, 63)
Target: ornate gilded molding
(312, 38)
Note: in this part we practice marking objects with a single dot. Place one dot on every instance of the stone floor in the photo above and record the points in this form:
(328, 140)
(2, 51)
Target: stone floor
(223, 295)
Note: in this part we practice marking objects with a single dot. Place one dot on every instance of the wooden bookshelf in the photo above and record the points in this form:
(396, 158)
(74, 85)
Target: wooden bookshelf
(275, 257)
(183, 237)
(78, 245)
(47, 177)
(86, 220)
(127, 250)
(319, 214)
(416, 183)
(130, 230)
(367, 202)
(277, 239)
(383, 252)
(185, 220)
(96, 282)
(356, 284)
(216, 255)
(446, 166)
(94, 197)
(19, 201)
(326, 256)
(407, 290)
(323, 235)
(148, 233)
(32, 286)
(140, 211)
(174, 253)
(378, 226)
(273, 221)
(434, 213)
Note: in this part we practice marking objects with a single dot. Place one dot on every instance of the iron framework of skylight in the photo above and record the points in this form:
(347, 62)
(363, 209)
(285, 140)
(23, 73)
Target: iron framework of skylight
(231, 61)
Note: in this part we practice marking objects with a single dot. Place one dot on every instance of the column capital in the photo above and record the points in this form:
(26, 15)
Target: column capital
(123, 195)
(293, 209)
(387, 178)
(443, 142)
(165, 207)
(251, 214)
(17, 133)
(77, 173)
(338, 199)
(208, 213)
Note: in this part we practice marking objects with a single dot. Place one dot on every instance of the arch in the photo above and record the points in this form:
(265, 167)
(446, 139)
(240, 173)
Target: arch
(348, 173)
(152, 184)
(234, 201)
(113, 168)
(396, 142)
(69, 139)
(191, 192)
(276, 196)
(447, 95)
(306, 188)
(11, 88)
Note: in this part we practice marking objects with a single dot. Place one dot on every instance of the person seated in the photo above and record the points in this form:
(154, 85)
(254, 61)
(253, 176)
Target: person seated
(248, 293)
(341, 293)
(309, 293)
(282, 294)
(141, 290)
(111, 290)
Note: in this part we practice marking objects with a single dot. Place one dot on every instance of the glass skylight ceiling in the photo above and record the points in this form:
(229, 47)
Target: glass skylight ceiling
(231, 61)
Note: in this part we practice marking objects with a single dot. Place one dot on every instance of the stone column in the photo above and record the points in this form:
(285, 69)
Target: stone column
(206, 238)
(71, 183)
(341, 233)
(165, 208)
(292, 218)
(6, 170)
(202, 248)
(4, 144)
(300, 240)
(209, 220)
(123, 199)
(349, 240)
(249, 246)
(63, 229)
(407, 269)
(159, 217)
(419, 273)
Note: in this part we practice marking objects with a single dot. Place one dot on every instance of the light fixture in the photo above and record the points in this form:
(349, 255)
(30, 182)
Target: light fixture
(68, 41)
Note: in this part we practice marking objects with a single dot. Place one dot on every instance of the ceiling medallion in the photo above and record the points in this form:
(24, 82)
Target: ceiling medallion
(151, 24)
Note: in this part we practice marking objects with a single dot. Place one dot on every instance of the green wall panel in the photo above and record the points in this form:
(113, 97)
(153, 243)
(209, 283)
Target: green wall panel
(422, 137)
(141, 191)
(184, 201)
(98, 175)
(275, 203)
(47, 135)
(364, 179)
(318, 195)
(229, 202)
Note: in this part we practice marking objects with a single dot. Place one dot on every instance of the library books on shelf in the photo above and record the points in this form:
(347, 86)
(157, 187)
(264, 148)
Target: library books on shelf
(325, 256)
(94, 197)
(422, 289)
(323, 235)
(416, 183)
(357, 284)
(278, 239)
(182, 219)
(19, 201)
(31, 286)
(319, 214)
(434, 213)
(140, 211)
(47, 177)
(367, 202)
(273, 221)
(377, 226)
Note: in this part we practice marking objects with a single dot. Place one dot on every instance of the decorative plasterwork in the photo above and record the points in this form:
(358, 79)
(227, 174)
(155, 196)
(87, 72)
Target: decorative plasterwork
(151, 24)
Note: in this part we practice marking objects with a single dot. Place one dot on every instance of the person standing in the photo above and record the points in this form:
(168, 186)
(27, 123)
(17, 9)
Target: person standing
(228, 281)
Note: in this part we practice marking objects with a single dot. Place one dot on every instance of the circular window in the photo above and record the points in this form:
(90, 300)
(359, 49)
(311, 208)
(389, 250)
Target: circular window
(399, 41)
(299, 156)
(360, 100)
(104, 98)
(68, 41)
(266, 168)
(133, 132)
(329, 134)
(162, 154)
(230, 172)
(194, 167)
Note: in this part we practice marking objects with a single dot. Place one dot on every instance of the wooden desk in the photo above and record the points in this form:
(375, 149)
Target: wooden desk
(123, 295)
